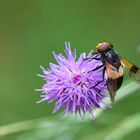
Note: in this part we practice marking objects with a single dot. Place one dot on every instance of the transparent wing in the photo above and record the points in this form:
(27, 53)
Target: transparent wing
(133, 70)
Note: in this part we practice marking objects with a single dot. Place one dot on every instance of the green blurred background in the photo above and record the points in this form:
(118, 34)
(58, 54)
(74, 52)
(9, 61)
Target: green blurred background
(31, 29)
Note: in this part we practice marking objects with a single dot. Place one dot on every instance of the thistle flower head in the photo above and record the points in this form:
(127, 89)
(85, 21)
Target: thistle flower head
(73, 84)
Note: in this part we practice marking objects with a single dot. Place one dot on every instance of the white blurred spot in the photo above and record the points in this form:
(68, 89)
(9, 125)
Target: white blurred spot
(138, 48)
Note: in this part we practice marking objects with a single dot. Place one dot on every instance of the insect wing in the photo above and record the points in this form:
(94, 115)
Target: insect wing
(134, 71)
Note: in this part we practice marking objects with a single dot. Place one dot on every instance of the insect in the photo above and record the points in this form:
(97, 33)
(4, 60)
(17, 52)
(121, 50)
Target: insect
(113, 67)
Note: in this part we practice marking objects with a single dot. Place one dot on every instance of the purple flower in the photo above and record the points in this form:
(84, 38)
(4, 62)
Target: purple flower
(73, 84)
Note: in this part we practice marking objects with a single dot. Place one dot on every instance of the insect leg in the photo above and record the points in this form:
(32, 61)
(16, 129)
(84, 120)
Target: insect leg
(104, 69)
(93, 58)
(96, 68)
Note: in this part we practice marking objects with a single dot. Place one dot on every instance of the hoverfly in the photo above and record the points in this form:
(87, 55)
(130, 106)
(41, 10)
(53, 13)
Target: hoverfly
(113, 66)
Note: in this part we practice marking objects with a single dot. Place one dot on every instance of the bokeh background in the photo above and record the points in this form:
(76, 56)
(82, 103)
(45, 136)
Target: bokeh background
(29, 31)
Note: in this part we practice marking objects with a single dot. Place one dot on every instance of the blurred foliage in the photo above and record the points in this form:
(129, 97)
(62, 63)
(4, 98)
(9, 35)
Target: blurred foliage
(30, 30)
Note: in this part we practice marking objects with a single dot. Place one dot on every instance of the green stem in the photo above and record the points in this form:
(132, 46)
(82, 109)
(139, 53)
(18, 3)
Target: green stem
(124, 128)
(126, 90)
(37, 123)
